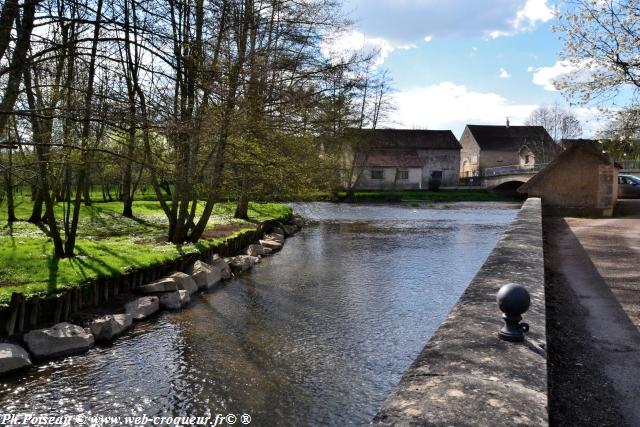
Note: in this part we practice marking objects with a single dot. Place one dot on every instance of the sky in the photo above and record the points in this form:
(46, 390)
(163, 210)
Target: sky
(458, 62)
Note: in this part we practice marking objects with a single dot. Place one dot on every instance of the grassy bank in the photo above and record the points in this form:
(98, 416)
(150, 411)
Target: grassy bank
(426, 196)
(107, 244)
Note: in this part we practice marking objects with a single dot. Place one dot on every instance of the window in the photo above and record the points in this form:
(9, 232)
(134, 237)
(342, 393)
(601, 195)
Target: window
(403, 175)
(436, 174)
(377, 174)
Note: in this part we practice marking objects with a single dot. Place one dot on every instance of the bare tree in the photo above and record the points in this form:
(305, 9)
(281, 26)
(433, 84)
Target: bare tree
(558, 122)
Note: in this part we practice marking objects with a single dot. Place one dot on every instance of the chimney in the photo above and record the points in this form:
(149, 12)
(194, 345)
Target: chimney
(507, 121)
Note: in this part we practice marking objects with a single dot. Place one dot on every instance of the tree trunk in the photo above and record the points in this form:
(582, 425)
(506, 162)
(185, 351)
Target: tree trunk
(8, 188)
(18, 62)
(242, 208)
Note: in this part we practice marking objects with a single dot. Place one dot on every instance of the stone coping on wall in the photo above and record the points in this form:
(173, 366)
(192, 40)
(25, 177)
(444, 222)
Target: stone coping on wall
(466, 375)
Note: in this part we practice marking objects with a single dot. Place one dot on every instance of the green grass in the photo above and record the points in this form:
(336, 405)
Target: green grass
(426, 196)
(107, 244)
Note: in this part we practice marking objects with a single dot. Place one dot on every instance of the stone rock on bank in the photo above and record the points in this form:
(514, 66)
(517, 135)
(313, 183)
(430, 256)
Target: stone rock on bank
(185, 282)
(60, 340)
(205, 275)
(143, 307)
(13, 358)
(243, 262)
(222, 265)
(106, 328)
(175, 300)
(167, 284)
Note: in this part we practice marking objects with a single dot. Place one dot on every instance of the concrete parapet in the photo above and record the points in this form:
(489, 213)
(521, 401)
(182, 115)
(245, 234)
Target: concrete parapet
(466, 375)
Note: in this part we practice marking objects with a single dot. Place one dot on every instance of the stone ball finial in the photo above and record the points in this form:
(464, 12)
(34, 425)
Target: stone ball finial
(513, 301)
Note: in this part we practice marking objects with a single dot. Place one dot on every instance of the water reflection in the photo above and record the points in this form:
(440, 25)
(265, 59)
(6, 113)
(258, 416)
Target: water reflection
(318, 334)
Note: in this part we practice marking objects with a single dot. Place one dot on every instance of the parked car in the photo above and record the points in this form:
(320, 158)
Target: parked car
(628, 187)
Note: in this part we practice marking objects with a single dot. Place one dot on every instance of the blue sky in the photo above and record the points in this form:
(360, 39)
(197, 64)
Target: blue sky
(464, 61)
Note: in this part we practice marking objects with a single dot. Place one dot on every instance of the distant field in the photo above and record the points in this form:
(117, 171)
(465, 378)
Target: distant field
(108, 244)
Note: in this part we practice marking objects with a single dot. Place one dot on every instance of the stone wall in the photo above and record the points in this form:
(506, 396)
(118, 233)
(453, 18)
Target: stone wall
(469, 155)
(447, 161)
(389, 181)
(466, 375)
(495, 158)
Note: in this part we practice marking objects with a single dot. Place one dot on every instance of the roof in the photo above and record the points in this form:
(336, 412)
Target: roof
(576, 147)
(416, 139)
(507, 137)
(389, 158)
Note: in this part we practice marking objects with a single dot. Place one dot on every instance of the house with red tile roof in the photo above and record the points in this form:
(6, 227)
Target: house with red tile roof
(406, 158)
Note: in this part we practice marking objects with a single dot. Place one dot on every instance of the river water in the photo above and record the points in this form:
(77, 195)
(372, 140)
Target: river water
(318, 334)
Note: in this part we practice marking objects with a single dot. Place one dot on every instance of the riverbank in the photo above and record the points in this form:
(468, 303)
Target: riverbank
(389, 196)
(101, 314)
(108, 245)
(425, 196)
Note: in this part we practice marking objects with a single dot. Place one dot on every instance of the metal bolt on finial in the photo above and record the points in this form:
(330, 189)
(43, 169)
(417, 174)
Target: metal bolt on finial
(513, 301)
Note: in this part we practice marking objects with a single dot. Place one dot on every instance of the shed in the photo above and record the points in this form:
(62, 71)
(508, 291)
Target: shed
(581, 181)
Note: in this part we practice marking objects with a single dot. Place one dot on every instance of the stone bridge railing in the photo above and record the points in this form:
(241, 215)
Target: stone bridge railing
(466, 375)
(512, 169)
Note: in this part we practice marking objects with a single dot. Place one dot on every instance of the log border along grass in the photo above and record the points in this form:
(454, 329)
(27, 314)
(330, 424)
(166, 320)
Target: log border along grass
(135, 258)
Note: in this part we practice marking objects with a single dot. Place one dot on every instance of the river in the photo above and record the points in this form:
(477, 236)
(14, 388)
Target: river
(318, 334)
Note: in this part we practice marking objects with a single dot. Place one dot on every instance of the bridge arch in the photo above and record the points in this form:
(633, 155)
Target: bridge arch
(510, 187)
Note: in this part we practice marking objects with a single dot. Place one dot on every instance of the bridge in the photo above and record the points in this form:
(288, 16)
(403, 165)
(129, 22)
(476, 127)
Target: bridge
(503, 178)
(509, 178)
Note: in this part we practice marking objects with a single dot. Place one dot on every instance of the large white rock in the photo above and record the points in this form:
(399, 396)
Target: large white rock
(243, 262)
(275, 236)
(271, 244)
(254, 250)
(12, 358)
(185, 282)
(143, 307)
(205, 275)
(166, 284)
(60, 340)
(266, 251)
(222, 265)
(107, 327)
(175, 300)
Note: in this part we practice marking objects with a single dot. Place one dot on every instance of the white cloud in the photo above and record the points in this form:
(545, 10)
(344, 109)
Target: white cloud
(447, 105)
(504, 74)
(526, 19)
(547, 77)
(428, 39)
(534, 11)
(529, 68)
(344, 44)
(407, 21)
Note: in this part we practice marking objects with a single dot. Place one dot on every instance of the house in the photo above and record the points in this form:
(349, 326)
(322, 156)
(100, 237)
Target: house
(581, 181)
(405, 159)
(491, 146)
